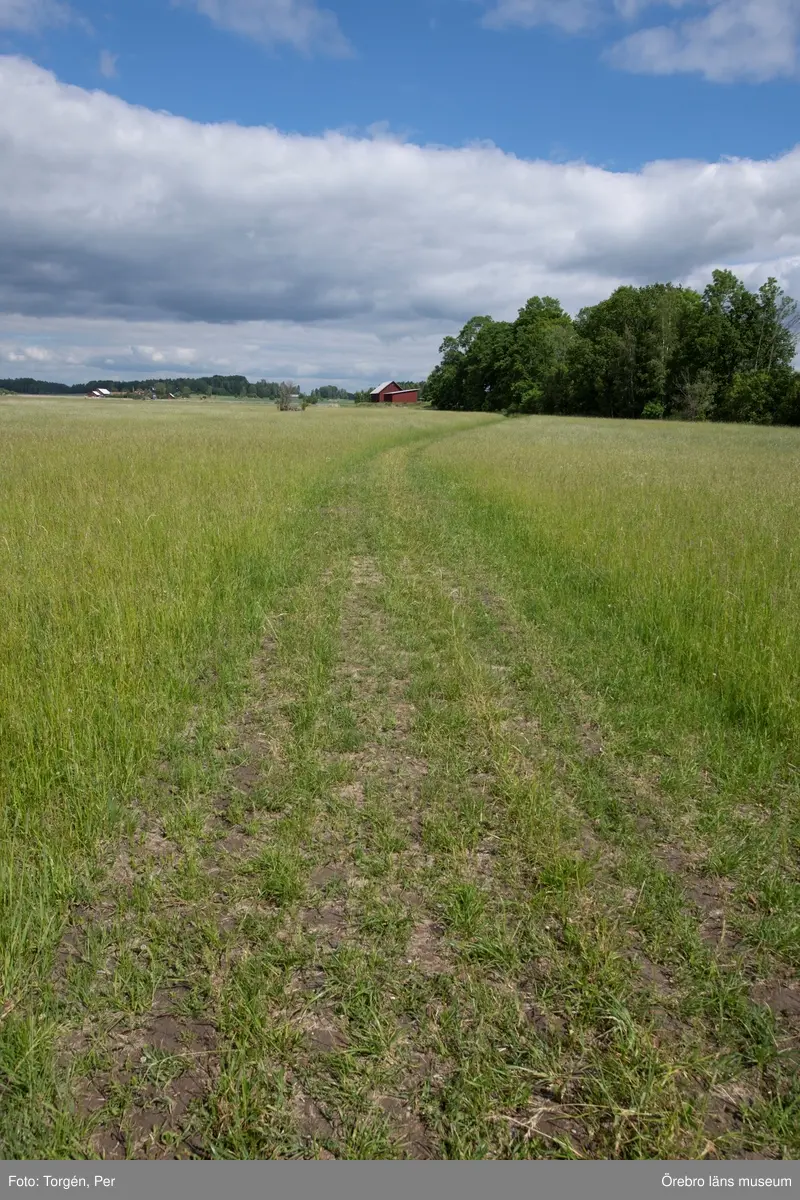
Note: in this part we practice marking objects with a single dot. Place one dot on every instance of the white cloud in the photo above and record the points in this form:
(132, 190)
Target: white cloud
(573, 16)
(751, 40)
(28, 16)
(722, 40)
(108, 64)
(629, 10)
(74, 350)
(300, 23)
(126, 234)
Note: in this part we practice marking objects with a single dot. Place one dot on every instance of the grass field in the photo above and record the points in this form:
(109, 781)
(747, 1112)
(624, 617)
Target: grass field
(397, 784)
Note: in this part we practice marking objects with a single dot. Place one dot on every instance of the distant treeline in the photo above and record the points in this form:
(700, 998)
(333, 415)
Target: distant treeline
(658, 351)
(38, 387)
(212, 385)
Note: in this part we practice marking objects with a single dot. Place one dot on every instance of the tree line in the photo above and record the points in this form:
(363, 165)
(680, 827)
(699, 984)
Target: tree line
(725, 354)
(212, 385)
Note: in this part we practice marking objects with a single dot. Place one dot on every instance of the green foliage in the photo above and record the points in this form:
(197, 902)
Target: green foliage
(654, 351)
(329, 391)
(639, 344)
(34, 387)
(213, 385)
(695, 395)
(749, 398)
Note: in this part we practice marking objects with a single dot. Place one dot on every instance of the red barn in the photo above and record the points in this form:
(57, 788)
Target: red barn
(392, 393)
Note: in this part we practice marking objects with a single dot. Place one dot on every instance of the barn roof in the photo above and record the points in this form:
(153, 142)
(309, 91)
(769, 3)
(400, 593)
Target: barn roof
(382, 387)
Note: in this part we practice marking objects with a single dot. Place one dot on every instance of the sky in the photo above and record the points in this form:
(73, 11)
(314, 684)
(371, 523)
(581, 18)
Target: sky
(321, 191)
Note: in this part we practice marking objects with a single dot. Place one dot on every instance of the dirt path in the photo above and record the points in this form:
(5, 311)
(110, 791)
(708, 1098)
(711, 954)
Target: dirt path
(403, 906)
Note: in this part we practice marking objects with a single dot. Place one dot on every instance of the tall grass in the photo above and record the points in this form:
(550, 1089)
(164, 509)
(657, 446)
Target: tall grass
(685, 539)
(139, 550)
(141, 546)
(656, 566)
(582, 617)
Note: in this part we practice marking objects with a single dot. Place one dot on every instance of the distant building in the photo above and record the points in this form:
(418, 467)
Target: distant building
(99, 392)
(392, 393)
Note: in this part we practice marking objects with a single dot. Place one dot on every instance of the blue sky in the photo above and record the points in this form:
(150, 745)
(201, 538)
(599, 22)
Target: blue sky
(390, 242)
(429, 69)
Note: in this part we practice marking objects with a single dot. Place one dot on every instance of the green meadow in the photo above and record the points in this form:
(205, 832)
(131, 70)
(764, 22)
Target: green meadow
(397, 784)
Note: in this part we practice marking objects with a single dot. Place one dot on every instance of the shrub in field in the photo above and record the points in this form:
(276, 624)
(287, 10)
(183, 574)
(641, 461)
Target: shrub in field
(288, 399)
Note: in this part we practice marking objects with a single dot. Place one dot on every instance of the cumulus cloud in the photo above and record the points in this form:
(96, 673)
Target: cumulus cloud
(301, 23)
(722, 40)
(751, 40)
(28, 16)
(74, 350)
(123, 229)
